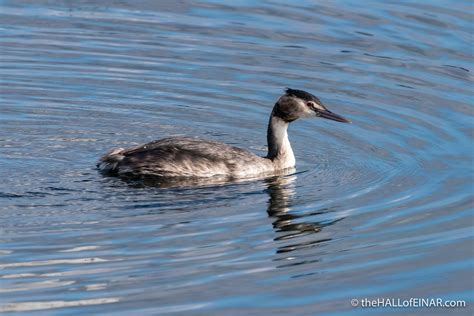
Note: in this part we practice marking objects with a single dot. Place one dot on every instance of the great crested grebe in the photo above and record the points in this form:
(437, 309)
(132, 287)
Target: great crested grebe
(191, 157)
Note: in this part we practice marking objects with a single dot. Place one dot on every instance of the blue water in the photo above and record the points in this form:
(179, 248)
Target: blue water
(380, 208)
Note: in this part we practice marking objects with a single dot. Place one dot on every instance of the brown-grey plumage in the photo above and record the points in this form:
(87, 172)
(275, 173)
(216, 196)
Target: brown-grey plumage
(181, 157)
(191, 157)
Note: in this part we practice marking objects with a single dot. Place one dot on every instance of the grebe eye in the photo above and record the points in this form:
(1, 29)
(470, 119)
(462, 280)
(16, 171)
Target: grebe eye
(310, 104)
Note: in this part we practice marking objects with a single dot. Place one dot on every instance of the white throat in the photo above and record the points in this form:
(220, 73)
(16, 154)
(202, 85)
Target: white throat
(279, 148)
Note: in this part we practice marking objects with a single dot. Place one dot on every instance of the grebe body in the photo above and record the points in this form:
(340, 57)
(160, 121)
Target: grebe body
(192, 157)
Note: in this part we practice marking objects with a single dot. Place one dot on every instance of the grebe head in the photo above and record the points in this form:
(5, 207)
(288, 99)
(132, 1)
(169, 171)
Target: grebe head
(295, 104)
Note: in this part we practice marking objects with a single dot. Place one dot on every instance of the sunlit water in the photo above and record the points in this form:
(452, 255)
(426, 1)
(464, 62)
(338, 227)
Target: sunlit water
(378, 208)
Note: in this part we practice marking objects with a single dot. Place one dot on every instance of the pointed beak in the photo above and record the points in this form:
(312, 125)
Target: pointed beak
(332, 116)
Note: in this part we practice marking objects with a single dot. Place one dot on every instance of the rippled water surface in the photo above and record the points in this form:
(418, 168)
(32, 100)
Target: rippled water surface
(378, 208)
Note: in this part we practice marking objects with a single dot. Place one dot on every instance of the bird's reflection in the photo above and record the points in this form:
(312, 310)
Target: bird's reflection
(288, 225)
(281, 190)
(291, 224)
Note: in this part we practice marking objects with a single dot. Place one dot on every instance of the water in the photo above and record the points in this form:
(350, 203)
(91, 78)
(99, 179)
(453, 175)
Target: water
(381, 208)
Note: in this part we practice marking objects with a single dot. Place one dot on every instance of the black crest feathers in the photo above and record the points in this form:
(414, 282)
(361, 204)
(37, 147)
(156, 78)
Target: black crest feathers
(302, 95)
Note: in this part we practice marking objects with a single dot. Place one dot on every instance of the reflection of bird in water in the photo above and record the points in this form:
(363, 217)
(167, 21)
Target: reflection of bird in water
(177, 157)
(281, 191)
(293, 228)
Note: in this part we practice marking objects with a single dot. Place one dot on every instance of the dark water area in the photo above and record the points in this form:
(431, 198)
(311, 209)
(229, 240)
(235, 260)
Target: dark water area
(380, 208)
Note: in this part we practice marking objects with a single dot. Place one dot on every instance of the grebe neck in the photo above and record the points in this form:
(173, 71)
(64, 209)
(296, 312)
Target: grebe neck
(279, 148)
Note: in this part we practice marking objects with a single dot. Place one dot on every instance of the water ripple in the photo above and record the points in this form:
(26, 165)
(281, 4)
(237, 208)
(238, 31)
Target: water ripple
(380, 207)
